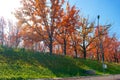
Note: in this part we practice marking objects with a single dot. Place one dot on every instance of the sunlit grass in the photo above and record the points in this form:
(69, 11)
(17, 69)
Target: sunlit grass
(24, 64)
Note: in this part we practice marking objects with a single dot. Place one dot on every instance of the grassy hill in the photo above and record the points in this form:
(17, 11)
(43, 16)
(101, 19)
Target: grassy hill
(22, 64)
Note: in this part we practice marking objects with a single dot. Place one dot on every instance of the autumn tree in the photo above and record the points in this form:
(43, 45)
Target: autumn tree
(46, 17)
(75, 42)
(111, 49)
(67, 26)
(42, 16)
(102, 38)
(86, 33)
(13, 34)
(116, 49)
(2, 27)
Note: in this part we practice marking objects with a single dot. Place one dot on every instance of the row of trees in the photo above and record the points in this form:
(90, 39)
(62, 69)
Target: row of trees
(56, 27)
(9, 33)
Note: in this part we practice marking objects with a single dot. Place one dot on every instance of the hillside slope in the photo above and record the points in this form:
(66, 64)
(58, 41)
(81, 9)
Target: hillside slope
(22, 64)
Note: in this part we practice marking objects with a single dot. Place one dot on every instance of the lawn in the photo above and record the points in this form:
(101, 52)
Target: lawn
(24, 64)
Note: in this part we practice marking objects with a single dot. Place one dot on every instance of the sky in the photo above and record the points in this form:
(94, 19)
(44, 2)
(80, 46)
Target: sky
(109, 11)
(7, 7)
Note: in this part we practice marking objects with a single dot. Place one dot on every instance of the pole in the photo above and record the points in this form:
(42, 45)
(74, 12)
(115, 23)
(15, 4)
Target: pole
(101, 45)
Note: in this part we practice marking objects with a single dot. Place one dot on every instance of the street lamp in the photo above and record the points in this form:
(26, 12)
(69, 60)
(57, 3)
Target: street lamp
(101, 45)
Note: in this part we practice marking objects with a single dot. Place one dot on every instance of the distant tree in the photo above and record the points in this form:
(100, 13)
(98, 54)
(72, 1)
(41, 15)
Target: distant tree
(13, 34)
(2, 27)
(106, 43)
(86, 30)
(67, 26)
(75, 41)
(111, 49)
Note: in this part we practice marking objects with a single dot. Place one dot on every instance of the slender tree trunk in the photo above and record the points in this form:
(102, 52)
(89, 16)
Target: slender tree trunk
(102, 51)
(84, 49)
(98, 56)
(64, 46)
(115, 56)
(75, 52)
(84, 53)
(50, 45)
(2, 35)
(17, 39)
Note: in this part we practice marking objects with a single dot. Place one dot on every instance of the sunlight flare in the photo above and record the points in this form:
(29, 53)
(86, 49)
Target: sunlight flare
(7, 7)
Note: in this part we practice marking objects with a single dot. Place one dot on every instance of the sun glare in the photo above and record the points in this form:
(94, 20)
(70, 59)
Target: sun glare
(7, 7)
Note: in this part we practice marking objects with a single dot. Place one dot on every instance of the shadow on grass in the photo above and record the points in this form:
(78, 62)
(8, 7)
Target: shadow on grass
(112, 68)
(39, 65)
(60, 66)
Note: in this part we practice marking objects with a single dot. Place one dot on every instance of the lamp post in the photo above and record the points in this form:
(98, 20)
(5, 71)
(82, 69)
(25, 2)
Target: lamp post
(101, 45)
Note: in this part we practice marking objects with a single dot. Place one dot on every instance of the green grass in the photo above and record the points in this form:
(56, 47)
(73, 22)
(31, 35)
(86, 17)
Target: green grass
(23, 64)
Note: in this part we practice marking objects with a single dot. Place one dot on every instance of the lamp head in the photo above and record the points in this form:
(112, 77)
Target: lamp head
(98, 16)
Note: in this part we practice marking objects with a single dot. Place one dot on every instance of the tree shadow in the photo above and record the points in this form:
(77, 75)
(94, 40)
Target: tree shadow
(61, 66)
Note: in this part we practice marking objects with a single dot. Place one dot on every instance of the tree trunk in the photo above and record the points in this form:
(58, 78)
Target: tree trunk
(64, 46)
(84, 49)
(115, 56)
(84, 53)
(75, 52)
(50, 45)
(98, 56)
(2, 35)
